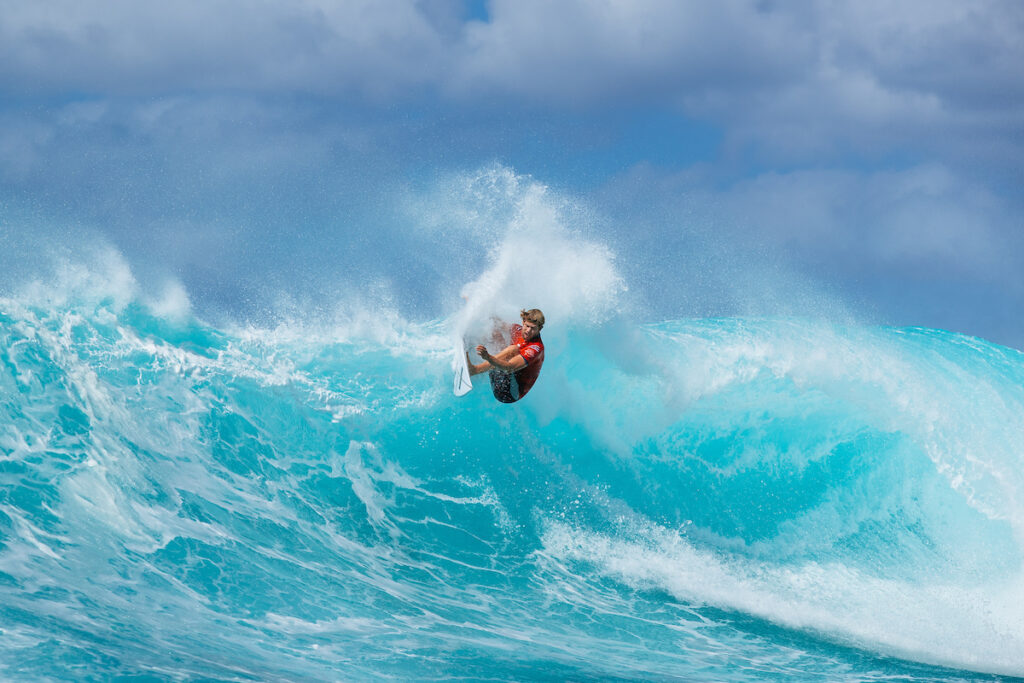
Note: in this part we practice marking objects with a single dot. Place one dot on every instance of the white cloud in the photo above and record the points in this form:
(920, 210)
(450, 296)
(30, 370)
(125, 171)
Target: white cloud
(795, 78)
(882, 237)
(922, 215)
(792, 79)
(124, 46)
(646, 49)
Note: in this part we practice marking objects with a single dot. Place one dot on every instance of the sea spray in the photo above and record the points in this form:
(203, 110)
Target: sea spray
(531, 247)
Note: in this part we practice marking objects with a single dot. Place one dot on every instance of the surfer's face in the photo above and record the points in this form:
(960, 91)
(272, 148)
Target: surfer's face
(530, 330)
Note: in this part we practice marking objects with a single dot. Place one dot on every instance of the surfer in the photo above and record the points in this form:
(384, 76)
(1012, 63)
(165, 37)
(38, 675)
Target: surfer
(515, 368)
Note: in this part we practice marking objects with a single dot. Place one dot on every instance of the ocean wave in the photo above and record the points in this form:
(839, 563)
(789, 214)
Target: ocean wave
(687, 498)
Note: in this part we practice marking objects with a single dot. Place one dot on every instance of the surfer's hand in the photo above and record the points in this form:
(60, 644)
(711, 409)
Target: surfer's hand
(482, 351)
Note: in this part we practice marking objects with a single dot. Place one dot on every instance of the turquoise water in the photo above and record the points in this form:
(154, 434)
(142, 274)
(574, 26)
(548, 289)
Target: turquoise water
(729, 499)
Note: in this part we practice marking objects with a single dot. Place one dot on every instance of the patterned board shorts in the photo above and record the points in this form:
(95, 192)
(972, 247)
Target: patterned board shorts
(504, 386)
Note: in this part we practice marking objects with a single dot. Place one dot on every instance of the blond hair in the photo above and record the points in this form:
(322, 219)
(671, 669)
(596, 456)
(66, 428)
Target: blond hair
(534, 316)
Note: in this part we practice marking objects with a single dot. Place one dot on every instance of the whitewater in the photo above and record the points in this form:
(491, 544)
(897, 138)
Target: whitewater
(743, 499)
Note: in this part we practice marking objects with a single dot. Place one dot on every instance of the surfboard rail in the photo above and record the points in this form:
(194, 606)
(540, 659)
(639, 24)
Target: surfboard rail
(460, 367)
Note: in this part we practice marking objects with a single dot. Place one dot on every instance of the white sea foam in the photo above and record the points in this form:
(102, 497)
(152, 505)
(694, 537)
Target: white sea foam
(97, 275)
(978, 627)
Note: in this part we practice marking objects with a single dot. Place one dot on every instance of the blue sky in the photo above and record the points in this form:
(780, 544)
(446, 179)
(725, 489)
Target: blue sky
(739, 157)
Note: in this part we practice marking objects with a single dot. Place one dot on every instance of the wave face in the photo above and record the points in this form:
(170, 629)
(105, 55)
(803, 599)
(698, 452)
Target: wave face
(697, 499)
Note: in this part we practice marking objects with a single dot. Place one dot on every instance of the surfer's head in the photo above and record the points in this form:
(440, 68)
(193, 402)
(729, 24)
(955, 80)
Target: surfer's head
(533, 321)
(534, 316)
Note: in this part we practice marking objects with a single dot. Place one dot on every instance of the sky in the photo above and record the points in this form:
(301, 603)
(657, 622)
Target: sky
(854, 159)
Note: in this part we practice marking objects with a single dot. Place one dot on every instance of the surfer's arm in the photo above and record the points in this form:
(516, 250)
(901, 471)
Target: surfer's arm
(508, 359)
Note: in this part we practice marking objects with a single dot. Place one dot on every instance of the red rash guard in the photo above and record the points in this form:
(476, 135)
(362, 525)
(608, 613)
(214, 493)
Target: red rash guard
(533, 353)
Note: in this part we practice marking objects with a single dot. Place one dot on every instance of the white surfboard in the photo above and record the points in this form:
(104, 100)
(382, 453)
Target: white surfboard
(462, 381)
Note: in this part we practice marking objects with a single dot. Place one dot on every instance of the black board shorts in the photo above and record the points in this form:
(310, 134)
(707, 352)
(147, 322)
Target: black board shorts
(504, 386)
